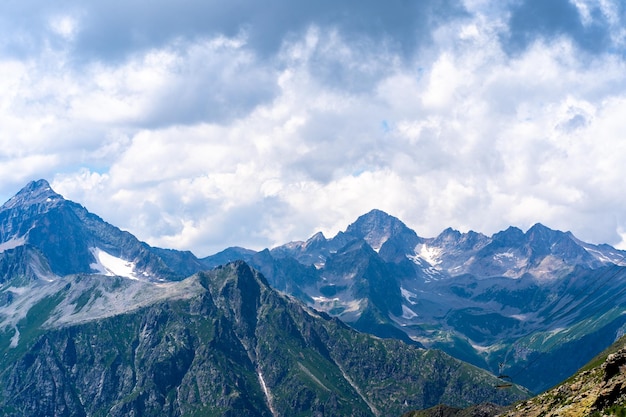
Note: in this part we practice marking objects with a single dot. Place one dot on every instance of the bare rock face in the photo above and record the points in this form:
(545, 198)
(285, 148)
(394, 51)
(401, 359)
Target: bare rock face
(613, 390)
(614, 364)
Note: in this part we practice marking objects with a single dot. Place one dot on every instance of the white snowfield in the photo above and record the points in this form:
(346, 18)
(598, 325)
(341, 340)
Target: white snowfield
(110, 265)
(430, 254)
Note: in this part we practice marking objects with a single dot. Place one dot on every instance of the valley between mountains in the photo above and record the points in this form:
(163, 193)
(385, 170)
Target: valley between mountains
(375, 321)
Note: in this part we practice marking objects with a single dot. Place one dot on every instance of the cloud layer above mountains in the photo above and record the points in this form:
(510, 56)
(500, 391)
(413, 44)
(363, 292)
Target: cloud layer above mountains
(200, 125)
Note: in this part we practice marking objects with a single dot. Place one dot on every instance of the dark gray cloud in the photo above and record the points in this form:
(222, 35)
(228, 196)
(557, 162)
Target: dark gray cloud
(224, 86)
(113, 29)
(536, 19)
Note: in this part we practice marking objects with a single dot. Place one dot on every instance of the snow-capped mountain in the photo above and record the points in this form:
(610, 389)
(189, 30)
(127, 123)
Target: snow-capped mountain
(510, 298)
(56, 237)
(540, 252)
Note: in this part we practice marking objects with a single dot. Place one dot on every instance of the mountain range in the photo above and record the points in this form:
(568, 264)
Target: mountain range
(94, 322)
(373, 321)
(536, 305)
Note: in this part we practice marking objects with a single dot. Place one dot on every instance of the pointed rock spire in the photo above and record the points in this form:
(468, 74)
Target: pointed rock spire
(35, 192)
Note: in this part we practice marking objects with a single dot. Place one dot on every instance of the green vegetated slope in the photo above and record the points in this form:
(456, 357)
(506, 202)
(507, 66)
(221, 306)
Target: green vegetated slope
(230, 346)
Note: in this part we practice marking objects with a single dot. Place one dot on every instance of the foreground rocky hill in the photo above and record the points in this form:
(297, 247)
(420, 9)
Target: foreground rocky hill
(219, 343)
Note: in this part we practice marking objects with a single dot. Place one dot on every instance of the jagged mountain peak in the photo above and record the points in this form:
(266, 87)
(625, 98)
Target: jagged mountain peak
(511, 236)
(539, 231)
(376, 227)
(72, 240)
(315, 241)
(34, 193)
(374, 219)
(540, 227)
(319, 236)
(540, 235)
(241, 273)
(448, 235)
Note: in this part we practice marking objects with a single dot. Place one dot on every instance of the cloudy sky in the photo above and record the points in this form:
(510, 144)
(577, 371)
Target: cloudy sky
(200, 124)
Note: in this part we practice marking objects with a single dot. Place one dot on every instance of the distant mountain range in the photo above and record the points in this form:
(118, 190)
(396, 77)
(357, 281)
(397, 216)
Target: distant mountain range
(536, 305)
(94, 322)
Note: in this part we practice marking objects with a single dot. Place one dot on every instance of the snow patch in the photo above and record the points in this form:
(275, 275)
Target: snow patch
(16, 338)
(430, 254)
(352, 306)
(319, 264)
(324, 300)
(479, 348)
(407, 313)
(348, 309)
(506, 255)
(17, 290)
(266, 391)
(613, 257)
(407, 295)
(12, 243)
(110, 265)
(377, 240)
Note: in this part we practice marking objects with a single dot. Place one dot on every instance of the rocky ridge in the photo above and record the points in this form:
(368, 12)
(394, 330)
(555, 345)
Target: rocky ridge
(224, 343)
(541, 301)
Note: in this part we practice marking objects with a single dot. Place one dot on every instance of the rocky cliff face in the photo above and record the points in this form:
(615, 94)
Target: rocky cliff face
(218, 343)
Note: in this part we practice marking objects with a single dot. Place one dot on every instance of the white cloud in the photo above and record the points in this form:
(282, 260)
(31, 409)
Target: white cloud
(203, 144)
(65, 26)
(478, 142)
